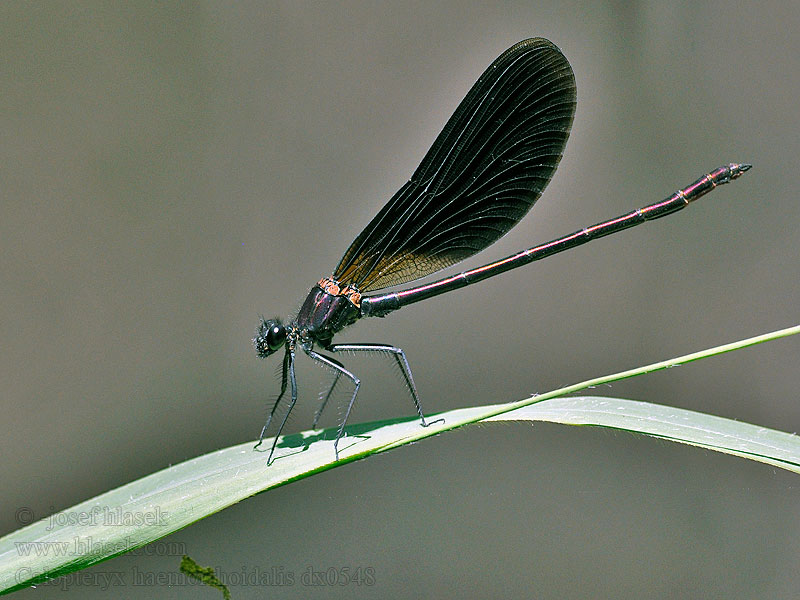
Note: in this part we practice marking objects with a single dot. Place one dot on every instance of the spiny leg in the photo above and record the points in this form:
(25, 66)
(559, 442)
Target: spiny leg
(340, 370)
(284, 379)
(402, 362)
(326, 396)
(293, 387)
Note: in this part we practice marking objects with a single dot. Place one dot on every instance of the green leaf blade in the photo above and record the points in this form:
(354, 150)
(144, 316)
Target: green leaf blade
(168, 500)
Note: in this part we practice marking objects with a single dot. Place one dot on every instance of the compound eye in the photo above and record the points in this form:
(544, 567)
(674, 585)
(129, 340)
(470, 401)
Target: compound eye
(270, 335)
(276, 336)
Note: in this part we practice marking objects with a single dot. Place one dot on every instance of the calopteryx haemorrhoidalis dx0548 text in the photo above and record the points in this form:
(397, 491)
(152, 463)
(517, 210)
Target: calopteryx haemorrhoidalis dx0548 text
(484, 172)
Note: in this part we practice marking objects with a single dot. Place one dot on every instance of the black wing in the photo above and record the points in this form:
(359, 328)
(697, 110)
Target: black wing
(484, 172)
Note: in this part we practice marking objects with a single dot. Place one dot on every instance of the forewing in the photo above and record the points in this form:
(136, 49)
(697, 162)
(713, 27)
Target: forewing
(482, 175)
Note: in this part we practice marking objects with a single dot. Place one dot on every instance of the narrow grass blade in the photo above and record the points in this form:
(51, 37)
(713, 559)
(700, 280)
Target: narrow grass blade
(152, 507)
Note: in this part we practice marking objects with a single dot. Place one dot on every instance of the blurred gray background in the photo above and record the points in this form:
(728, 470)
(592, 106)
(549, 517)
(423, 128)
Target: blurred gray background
(171, 172)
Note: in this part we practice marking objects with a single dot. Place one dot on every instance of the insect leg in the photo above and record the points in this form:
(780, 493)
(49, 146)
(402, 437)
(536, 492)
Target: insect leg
(325, 397)
(284, 380)
(340, 370)
(402, 362)
(293, 387)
